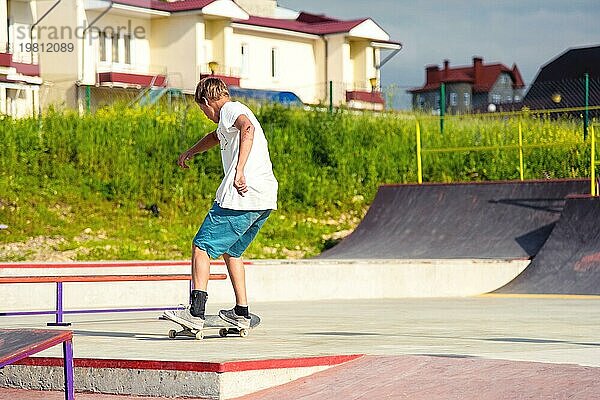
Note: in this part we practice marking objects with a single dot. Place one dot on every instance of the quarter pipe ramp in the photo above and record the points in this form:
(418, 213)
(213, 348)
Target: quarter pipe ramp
(491, 220)
(569, 262)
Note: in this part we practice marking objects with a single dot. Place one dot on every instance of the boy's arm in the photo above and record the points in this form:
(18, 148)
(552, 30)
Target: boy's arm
(207, 142)
(246, 138)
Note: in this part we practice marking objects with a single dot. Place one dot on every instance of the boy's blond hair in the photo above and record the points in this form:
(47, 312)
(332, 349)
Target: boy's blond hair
(211, 89)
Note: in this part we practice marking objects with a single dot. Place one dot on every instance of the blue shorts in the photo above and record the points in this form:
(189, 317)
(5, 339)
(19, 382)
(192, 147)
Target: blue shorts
(229, 231)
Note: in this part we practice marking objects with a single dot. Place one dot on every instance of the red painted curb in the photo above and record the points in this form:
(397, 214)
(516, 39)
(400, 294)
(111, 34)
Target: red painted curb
(231, 366)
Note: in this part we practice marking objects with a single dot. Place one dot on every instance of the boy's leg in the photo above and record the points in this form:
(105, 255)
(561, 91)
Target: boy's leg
(237, 273)
(200, 268)
(239, 315)
(193, 316)
(206, 238)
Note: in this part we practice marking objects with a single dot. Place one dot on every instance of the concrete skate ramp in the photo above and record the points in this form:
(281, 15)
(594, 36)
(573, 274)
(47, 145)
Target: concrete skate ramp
(499, 220)
(569, 262)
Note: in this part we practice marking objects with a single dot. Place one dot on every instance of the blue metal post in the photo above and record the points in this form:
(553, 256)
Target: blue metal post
(68, 369)
(59, 307)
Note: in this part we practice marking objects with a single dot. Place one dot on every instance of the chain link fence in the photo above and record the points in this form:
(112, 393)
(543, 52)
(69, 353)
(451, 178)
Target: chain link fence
(568, 96)
(564, 94)
(91, 98)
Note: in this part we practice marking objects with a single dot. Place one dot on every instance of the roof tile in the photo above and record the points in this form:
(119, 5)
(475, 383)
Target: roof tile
(483, 83)
(323, 27)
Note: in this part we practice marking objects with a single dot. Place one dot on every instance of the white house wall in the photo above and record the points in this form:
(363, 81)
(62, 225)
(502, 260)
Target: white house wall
(322, 83)
(358, 57)
(296, 59)
(339, 66)
(218, 37)
(60, 70)
(177, 43)
(363, 60)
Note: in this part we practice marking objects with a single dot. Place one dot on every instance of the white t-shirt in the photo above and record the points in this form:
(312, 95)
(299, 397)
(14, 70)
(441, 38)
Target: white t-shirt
(262, 185)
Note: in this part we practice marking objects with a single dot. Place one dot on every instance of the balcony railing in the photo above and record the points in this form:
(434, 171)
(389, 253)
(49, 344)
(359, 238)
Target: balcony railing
(229, 75)
(218, 69)
(25, 62)
(130, 75)
(365, 96)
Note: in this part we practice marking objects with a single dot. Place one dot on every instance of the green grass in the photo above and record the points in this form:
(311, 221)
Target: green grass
(83, 186)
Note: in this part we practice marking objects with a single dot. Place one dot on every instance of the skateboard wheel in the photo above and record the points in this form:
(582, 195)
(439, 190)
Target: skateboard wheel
(172, 333)
(243, 332)
(199, 335)
(223, 332)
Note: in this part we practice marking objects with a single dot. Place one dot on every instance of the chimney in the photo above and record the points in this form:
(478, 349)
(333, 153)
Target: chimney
(446, 67)
(431, 74)
(477, 69)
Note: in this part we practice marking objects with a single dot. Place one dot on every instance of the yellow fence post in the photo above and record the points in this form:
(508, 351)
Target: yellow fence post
(593, 164)
(521, 152)
(419, 166)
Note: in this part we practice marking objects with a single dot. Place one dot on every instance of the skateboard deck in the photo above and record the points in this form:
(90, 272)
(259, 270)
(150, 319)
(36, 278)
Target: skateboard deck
(213, 322)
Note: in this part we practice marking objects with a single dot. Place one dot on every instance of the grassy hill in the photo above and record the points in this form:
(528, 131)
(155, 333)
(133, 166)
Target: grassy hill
(106, 185)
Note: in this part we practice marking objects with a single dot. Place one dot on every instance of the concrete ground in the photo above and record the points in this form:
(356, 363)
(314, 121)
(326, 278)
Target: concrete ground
(544, 330)
(426, 378)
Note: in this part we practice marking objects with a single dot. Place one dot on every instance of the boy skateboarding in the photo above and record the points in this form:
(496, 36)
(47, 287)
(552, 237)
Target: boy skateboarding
(243, 202)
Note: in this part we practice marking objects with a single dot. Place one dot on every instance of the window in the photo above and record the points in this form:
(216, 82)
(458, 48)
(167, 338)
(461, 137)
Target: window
(504, 79)
(274, 62)
(420, 101)
(453, 98)
(437, 102)
(19, 39)
(115, 48)
(509, 98)
(244, 60)
(102, 46)
(517, 98)
(127, 46)
(496, 98)
(467, 99)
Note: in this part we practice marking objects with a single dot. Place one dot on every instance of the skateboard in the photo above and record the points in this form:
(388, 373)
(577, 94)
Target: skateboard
(213, 322)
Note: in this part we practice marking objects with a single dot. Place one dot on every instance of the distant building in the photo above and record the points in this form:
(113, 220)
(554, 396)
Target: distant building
(469, 88)
(561, 82)
(131, 46)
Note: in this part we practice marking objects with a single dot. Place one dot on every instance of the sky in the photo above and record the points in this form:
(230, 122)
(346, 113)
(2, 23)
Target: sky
(528, 33)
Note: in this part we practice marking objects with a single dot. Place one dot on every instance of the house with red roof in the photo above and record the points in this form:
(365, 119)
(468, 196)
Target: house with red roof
(128, 46)
(308, 52)
(478, 86)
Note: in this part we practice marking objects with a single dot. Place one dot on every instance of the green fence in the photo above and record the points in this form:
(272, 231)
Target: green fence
(593, 162)
(509, 133)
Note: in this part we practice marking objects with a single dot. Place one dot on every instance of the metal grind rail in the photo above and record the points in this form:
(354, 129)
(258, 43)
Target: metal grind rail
(59, 310)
